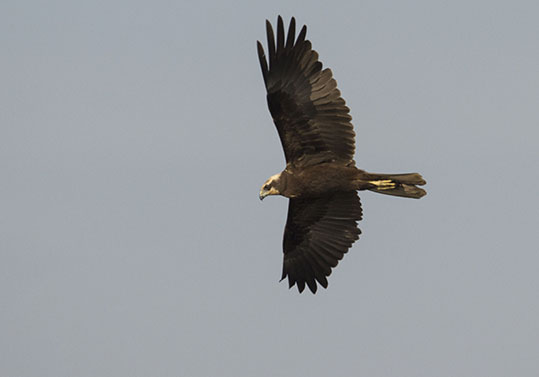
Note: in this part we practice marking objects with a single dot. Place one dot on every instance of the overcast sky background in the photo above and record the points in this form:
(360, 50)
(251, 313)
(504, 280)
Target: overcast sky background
(135, 136)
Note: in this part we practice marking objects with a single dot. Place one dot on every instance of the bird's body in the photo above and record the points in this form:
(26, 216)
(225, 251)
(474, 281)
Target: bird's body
(321, 177)
(317, 180)
(329, 177)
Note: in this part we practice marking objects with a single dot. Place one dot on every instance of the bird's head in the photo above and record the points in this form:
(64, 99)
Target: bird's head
(270, 187)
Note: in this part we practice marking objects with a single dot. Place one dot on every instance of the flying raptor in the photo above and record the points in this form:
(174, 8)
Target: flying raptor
(321, 178)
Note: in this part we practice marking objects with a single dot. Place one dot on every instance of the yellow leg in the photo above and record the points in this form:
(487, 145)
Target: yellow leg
(384, 184)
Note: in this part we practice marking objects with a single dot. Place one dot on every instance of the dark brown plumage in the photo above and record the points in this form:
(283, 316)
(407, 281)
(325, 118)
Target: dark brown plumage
(320, 177)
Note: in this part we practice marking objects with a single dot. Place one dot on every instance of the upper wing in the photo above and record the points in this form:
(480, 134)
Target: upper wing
(319, 231)
(311, 116)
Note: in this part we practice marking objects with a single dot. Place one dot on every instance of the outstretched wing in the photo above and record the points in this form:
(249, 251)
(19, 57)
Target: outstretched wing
(318, 232)
(312, 119)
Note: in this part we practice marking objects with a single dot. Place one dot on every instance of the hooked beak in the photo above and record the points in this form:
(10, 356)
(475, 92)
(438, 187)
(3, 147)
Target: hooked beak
(264, 193)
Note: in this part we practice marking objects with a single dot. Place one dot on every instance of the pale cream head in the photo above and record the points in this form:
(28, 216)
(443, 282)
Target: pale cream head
(269, 187)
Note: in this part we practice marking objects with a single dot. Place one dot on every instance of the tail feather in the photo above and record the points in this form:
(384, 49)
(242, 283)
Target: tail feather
(403, 185)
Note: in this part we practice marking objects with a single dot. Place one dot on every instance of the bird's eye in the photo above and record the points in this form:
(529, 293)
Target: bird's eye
(266, 187)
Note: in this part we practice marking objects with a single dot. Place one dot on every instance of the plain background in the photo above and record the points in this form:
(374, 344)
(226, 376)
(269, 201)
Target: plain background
(135, 136)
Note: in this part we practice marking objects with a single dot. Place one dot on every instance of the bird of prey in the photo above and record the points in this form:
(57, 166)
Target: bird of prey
(321, 177)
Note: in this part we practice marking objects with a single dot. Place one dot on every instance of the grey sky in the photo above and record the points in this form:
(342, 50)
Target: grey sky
(134, 137)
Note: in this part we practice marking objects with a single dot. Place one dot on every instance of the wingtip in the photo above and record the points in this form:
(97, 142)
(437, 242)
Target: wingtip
(302, 34)
(312, 286)
(292, 22)
(290, 39)
(323, 282)
(280, 33)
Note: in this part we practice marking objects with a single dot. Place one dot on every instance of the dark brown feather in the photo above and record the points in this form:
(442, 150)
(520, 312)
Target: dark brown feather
(318, 232)
(311, 117)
